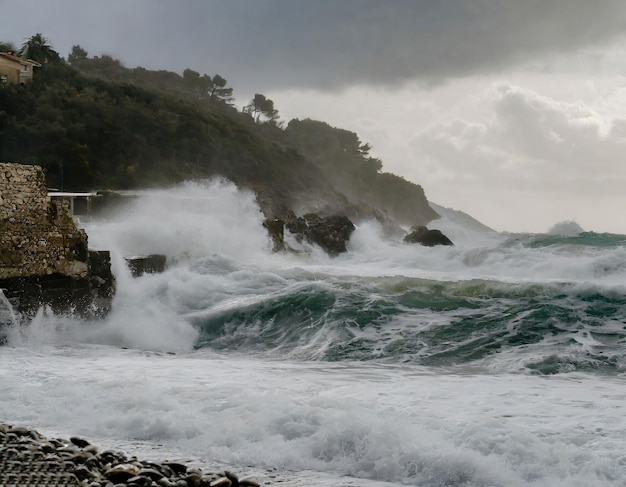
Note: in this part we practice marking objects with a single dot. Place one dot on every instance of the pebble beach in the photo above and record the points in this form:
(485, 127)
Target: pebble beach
(28, 459)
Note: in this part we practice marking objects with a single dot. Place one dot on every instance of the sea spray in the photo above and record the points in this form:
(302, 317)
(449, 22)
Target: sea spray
(186, 222)
(395, 423)
(7, 314)
(498, 361)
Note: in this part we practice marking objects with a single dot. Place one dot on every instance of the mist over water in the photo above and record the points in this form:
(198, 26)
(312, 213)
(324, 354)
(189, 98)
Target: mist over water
(498, 361)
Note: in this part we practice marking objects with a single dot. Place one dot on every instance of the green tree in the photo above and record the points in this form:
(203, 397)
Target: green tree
(38, 48)
(7, 47)
(200, 85)
(77, 56)
(206, 87)
(261, 106)
(219, 91)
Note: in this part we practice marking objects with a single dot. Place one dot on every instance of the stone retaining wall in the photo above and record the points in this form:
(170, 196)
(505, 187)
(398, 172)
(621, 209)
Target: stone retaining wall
(37, 237)
(23, 192)
(40, 246)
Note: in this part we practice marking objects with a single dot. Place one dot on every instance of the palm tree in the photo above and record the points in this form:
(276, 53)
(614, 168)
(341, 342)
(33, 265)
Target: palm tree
(38, 48)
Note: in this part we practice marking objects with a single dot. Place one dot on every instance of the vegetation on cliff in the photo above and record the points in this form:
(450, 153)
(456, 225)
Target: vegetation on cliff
(91, 122)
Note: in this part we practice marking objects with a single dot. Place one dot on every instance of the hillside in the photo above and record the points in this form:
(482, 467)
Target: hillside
(462, 219)
(92, 123)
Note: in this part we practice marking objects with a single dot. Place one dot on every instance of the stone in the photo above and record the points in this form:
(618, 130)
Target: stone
(331, 233)
(151, 472)
(176, 467)
(149, 264)
(121, 473)
(44, 256)
(429, 238)
(79, 442)
(22, 462)
(276, 230)
(221, 482)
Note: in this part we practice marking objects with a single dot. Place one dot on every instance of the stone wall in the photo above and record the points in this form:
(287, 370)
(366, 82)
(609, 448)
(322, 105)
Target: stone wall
(44, 257)
(37, 237)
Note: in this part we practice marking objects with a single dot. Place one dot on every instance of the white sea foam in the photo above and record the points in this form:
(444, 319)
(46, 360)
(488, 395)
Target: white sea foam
(315, 423)
(219, 253)
(568, 228)
(388, 423)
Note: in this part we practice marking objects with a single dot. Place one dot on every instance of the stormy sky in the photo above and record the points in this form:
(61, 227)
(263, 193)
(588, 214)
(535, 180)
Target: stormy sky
(513, 111)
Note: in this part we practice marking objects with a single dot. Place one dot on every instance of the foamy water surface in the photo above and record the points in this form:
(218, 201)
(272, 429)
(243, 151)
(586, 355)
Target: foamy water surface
(358, 370)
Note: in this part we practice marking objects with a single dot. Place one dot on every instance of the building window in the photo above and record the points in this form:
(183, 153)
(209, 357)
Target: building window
(4, 79)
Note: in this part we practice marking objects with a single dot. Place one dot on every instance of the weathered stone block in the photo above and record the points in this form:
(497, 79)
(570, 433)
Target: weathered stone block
(44, 257)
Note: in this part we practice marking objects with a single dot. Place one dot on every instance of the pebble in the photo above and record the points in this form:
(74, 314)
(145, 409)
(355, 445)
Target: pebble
(27, 458)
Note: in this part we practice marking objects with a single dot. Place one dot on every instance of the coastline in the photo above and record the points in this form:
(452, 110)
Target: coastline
(28, 458)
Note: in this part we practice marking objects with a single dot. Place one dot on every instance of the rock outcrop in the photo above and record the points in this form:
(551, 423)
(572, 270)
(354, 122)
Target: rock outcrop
(44, 257)
(148, 264)
(276, 230)
(331, 233)
(429, 238)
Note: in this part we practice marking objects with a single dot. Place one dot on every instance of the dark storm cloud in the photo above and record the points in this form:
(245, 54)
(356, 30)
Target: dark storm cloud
(320, 43)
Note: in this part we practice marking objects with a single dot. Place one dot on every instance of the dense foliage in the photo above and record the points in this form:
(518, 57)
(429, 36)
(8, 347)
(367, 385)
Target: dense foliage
(93, 123)
(346, 162)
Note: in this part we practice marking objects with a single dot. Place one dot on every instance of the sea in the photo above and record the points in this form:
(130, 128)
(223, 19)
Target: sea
(500, 361)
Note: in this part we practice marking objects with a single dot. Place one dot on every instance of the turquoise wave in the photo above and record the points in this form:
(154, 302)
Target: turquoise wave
(540, 328)
(588, 239)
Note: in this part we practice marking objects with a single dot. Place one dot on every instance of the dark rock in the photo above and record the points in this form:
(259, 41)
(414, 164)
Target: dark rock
(149, 264)
(63, 294)
(139, 481)
(193, 479)
(276, 229)
(331, 233)
(234, 480)
(121, 473)
(177, 468)
(79, 442)
(429, 238)
(82, 473)
(151, 472)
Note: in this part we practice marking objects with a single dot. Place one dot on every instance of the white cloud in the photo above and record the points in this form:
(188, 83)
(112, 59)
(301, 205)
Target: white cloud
(518, 156)
(544, 151)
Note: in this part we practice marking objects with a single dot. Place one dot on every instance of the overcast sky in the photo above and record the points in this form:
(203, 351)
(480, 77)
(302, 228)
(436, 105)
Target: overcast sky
(513, 111)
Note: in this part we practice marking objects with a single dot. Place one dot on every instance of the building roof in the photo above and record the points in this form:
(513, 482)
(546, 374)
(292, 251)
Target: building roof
(10, 56)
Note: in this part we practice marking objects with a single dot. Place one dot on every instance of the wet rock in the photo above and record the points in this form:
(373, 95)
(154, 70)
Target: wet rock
(276, 230)
(177, 468)
(429, 238)
(149, 264)
(79, 442)
(27, 458)
(234, 480)
(121, 473)
(151, 473)
(331, 233)
(221, 482)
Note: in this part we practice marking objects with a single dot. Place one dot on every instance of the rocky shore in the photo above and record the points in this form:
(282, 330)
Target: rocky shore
(29, 459)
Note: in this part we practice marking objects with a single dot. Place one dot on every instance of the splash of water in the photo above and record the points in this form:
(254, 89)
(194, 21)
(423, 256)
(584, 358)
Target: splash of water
(7, 315)
(568, 228)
